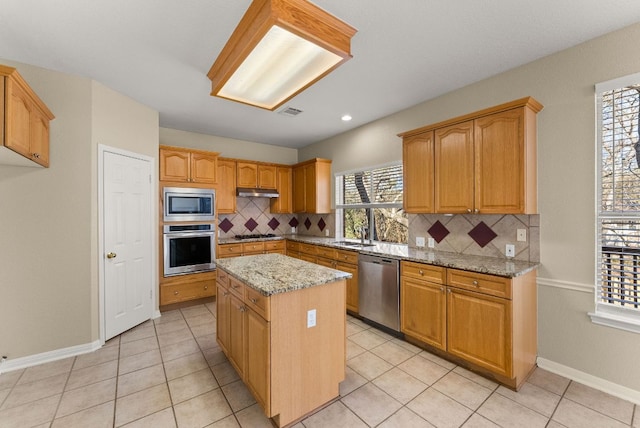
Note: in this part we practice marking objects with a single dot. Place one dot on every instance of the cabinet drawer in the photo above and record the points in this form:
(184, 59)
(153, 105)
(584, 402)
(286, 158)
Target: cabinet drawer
(236, 287)
(308, 249)
(323, 261)
(257, 302)
(293, 246)
(347, 256)
(482, 283)
(229, 250)
(189, 291)
(270, 246)
(423, 271)
(252, 248)
(222, 277)
(327, 252)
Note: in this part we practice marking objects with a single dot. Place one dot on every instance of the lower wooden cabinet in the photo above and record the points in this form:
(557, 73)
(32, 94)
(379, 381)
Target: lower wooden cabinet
(487, 321)
(187, 290)
(290, 369)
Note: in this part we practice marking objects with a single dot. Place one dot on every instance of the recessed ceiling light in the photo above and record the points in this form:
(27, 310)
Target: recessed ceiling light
(346, 118)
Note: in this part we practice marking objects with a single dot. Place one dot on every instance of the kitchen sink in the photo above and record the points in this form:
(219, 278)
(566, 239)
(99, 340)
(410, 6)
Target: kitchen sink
(354, 244)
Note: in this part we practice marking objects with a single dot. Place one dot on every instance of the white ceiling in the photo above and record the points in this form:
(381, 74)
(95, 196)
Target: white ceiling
(158, 52)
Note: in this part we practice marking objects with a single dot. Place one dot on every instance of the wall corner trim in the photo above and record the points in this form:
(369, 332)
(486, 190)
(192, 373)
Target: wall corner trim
(600, 384)
(47, 357)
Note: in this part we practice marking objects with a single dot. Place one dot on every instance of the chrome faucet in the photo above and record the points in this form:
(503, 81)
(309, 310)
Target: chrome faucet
(363, 233)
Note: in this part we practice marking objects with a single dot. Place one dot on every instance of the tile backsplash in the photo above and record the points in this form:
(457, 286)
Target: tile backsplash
(478, 234)
(253, 216)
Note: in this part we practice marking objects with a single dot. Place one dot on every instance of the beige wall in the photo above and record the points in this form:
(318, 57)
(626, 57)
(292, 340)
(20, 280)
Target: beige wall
(49, 222)
(564, 83)
(228, 147)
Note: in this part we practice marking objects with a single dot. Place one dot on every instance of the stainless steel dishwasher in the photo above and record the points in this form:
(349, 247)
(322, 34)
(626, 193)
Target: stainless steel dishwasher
(379, 290)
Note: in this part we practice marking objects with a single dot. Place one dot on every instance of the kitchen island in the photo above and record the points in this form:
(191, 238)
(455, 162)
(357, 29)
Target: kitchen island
(282, 324)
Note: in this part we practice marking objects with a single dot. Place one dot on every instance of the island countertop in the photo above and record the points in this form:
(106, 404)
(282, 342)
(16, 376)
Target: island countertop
(275, 273)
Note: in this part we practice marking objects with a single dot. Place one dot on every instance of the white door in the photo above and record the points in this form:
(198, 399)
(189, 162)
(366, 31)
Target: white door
(127, 242)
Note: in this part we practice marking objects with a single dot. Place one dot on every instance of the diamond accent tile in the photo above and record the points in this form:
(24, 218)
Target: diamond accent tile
(293, 222)
(225, 225)
(307, 223)
(321, 224)
(482, 234)
(273, 223)
(438, 231)
(251, 224)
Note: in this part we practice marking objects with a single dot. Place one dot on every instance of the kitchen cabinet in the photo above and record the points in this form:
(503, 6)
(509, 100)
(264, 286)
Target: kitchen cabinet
(344, 260)
(312, 187)
(418, 171)
(187, 165)
(283, 204)
(182, 288)
(250, 248)
(486, 321)
(24, 122)
(252, 175)
(290, 369)
(423, 303)
(483, 162)
(223, 306)
(226, 186)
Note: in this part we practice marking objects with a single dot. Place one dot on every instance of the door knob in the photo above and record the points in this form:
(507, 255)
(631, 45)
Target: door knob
(111, 255)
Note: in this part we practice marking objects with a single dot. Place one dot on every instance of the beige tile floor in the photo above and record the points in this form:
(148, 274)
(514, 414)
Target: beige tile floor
(170, 372)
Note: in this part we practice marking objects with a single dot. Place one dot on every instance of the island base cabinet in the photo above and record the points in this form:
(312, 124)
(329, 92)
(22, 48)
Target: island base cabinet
(223, 304)
(478, 330)
(236, 334)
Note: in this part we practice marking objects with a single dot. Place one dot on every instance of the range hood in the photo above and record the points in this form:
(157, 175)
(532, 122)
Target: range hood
(255, 192)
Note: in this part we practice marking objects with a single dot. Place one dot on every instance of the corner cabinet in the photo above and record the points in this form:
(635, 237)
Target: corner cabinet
(312, 187)
(24, 122)
(486, 321)
(188, 166)
(483, 162)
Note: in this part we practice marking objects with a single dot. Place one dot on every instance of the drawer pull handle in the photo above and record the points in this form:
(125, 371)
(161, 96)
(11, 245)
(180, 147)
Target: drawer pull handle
(206, 287)
(442, 289)
(253, 300)
(475, 282)
(175, 293)
(421, 272)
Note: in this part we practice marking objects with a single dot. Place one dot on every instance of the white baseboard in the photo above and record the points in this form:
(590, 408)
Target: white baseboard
(47, 357)
(590, 380)
(156, 314)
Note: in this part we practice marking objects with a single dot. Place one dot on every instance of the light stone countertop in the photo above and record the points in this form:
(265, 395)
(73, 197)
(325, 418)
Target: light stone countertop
(275, 273)
(490, 265)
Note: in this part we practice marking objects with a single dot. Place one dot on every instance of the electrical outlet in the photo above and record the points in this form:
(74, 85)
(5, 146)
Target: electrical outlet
(311, 318)
(293, 230)
(510, 250)
(522, 235)
(419, 241)
(431, 243)
(326, 232)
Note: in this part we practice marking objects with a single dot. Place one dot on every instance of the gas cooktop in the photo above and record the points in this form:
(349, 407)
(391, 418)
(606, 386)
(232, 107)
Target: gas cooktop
(255, 236)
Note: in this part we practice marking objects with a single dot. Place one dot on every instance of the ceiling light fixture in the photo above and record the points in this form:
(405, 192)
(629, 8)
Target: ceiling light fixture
(279, 48)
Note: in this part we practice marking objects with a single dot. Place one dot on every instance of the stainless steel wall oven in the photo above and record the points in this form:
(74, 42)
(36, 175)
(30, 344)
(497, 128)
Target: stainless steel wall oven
(189, 248)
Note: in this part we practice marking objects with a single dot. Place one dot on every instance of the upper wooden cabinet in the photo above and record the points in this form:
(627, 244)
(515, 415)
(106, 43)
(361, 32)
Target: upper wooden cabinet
(226, 187)
(417, 152)
(24, 122)
(256, 175)
(186, 165)
(312, 187)
(484, 162)
(283, 204)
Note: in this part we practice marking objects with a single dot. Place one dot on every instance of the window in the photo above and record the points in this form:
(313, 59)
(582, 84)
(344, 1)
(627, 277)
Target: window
(618, 222)
(369, 198)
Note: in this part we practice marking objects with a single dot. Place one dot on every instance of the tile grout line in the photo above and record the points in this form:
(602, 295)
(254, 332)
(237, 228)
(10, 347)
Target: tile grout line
(166, 379)
(558, 405)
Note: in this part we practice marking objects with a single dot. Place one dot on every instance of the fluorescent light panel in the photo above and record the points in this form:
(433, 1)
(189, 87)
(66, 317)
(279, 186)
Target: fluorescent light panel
(279, 66)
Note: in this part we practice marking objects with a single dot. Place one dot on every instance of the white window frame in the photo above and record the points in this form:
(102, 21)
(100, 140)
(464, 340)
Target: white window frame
(608, 314)
(338, 181)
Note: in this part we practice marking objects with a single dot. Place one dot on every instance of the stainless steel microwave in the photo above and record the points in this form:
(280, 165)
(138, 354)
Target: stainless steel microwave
(189, 204)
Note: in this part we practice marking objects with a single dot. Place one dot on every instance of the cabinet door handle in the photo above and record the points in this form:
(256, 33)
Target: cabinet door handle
(225, 293)
(442, 289)
(421, 272)
(449, 291)
(241, 308)
(36, 155)
(206, 287)
(175, 293)
(476, 211)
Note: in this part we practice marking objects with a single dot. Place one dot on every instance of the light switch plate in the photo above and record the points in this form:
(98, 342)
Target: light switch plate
(311, 318)
(431, 243)
(419, 241)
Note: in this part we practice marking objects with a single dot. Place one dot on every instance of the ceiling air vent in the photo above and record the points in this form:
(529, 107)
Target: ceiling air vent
(290, 111)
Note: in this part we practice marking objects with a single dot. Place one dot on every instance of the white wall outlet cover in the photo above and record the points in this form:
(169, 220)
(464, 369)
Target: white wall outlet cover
(293, 230)
(419, 241)
(522, 235)
(431, 243)
(326, 232)
(510, 250)
(311, 318)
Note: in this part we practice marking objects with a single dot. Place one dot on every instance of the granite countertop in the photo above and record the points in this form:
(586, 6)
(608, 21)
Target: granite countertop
(275, 273)
(490, 265)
